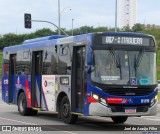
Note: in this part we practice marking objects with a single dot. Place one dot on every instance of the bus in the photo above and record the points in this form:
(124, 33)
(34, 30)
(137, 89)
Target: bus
(107, 74)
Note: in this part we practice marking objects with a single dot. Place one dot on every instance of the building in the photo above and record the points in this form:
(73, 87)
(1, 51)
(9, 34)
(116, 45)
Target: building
(127, 12)
(150, 26)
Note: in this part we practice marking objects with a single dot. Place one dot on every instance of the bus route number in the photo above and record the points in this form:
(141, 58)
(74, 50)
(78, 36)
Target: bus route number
(109, 39)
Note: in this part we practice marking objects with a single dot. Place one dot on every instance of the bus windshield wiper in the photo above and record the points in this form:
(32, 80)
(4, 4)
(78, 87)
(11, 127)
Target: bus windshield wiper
(116, 60)
(138, 60)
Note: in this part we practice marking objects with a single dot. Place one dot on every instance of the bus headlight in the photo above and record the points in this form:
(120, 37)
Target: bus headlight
(100, 100)
(153, 101)
(95, 96)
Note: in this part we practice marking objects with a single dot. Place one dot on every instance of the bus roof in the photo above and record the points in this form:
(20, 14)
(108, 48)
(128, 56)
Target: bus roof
(39, 42)
(126, 33)
(44, 38)
(27, 44)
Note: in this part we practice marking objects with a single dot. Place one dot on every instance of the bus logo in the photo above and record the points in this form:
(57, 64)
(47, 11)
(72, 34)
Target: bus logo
(45, 83)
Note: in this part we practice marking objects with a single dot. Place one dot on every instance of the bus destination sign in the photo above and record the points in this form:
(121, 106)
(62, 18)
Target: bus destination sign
(124, 40)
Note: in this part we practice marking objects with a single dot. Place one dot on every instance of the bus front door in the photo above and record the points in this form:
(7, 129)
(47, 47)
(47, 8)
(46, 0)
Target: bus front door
(12, 81)
(78, 79)
(36, 79)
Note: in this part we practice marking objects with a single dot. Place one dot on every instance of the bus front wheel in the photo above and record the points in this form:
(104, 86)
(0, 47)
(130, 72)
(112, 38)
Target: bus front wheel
(119, 119)
(66, 115)
(22, 108)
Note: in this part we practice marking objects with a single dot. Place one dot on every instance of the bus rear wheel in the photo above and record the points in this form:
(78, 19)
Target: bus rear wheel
(66, 115)
(22, 105)
(119, 119)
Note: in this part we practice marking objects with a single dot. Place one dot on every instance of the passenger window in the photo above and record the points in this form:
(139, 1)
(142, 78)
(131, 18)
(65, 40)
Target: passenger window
(64, 60)
(63, 50)
(50, 61)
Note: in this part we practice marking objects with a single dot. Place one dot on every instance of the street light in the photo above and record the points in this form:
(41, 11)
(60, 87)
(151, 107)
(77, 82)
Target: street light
(65, 9)
(59, 16)
(72, 26)
(59, 32)
(116, 16)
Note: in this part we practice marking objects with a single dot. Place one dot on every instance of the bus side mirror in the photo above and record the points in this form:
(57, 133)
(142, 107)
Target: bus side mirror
(90, 58)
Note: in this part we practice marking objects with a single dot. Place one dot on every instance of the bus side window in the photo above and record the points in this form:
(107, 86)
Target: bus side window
(63, 50)
(64, 60)
(50, 61)
(23, 63)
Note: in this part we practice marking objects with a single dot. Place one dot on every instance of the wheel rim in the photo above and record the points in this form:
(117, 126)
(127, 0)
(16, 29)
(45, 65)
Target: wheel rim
(65, 109)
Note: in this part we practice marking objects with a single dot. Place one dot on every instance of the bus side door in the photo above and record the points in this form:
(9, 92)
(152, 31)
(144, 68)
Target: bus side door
(78, 79)
(12, 73)
(36, 77)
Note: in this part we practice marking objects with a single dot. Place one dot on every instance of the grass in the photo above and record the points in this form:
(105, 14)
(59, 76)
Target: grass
(1, 64)
(158, 63)
(158, 74)
(158, 96)
(158, 56)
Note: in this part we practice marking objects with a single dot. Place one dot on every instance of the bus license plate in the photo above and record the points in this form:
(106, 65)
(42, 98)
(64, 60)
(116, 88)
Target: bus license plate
(130, 110)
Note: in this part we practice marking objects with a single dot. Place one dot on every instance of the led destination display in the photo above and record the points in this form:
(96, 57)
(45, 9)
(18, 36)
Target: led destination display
(124, 40)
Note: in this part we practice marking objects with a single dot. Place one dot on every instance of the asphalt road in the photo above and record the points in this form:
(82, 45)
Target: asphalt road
(10, 116)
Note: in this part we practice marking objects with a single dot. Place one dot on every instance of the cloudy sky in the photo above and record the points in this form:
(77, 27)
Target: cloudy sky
(84, 12)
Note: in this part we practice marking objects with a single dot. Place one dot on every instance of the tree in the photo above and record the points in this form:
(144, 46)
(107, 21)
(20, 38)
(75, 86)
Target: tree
(43, 32)
(138, 27)
(127, 29)
(101, 29)
(86, 29)
(14, 39)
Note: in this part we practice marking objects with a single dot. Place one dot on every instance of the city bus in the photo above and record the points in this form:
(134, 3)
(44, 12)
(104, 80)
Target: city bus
(107, 74)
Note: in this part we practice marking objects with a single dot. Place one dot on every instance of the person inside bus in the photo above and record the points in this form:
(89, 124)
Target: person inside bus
(23, 71)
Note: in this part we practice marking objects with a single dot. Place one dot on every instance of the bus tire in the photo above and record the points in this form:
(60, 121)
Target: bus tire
(22, 105)
(119, 119)
(66, 115)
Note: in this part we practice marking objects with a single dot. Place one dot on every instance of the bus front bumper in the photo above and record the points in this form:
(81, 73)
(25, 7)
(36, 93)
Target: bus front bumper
(97, 109)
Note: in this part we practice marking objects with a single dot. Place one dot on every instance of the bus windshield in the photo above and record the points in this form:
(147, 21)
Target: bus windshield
(118, 67)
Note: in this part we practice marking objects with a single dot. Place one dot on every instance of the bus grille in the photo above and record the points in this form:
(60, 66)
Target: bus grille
(122, 109)
(127, 92)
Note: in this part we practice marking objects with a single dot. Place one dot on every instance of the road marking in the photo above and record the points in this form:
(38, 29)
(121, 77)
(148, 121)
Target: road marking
(131, 123)
(151, 118)
(17, 121)
(36, 124)
(2, 105)
(61, 130)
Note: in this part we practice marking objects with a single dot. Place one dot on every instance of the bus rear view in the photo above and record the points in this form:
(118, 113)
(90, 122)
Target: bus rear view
(123, 75)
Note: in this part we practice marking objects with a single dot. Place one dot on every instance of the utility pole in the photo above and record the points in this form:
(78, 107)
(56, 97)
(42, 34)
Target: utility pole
(72, 26)
(116, 16)
(59, 18)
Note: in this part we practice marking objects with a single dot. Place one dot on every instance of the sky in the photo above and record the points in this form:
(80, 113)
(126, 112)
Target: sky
(84, 12)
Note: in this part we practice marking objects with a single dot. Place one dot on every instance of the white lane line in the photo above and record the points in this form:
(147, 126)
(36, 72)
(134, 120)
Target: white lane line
(131, 123)
(37, 124)
(17, 121)
(69, 132)
(154, 119)
(60, 130)
(2, 105)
